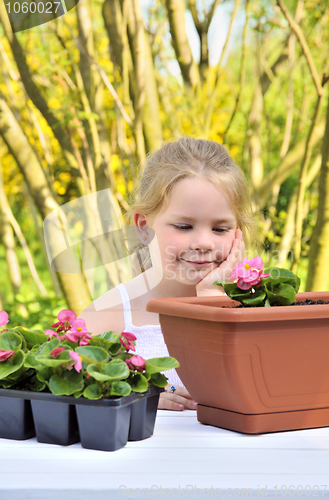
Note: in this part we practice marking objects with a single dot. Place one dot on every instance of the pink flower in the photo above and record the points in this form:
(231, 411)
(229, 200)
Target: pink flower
(4, 355)
(78, 363)
(55, 352)
(78, 332)
(128, 336)
(78, 326)
(59, 325)
(51, 333)
(66, 315)
(76, 337)
(127, 339)
(84, 341)
(249, 273)
(4, 318)
(136, 363)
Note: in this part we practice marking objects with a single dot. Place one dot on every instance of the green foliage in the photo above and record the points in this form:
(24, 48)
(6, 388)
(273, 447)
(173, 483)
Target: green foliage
(65, 368)
(279, 288)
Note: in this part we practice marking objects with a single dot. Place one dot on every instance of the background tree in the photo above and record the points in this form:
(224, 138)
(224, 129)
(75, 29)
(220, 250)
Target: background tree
(86, 97)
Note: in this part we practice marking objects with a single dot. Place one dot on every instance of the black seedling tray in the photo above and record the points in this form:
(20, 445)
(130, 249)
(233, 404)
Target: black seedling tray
(103, 424)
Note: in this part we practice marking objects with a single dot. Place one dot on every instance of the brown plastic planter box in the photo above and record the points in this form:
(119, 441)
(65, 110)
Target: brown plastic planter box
(254, 369)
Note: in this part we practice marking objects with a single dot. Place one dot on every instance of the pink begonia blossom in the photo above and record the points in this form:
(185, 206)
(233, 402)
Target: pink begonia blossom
(76, 337)
(66, 315)
(4, 355)
(61, 326)
(78, 332)
(78, 326)
(55, 352)
(127, 339)
(51, 333)
(128, 336)
(4, 318)
(249, 273)
(136, 363)
(78, 363)
(84, 341)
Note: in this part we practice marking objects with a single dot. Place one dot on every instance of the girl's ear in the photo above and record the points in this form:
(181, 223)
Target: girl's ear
(140, 223)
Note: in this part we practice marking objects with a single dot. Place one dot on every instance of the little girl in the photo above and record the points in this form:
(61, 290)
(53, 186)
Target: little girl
(193, 213)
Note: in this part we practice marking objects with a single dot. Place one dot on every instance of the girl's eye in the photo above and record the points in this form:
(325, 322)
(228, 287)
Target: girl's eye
(217, 229)
(182, 227)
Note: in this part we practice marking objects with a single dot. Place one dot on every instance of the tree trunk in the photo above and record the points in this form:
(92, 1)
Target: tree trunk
(288, 164)
(37, 225)
(254, 132)
(318, 270)
(289, 226)
(73, 285)
(33, 91)
(123, 55)
(176, 16)
(8, 240)
(144, 77)
(302, 187)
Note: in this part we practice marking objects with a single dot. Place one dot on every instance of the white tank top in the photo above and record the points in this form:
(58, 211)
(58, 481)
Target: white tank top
(150, 342)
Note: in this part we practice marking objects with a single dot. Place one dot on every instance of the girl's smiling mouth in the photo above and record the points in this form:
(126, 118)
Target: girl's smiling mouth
(196, 263)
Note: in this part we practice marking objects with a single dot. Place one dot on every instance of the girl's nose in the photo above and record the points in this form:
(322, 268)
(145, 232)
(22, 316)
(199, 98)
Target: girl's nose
(202, 242)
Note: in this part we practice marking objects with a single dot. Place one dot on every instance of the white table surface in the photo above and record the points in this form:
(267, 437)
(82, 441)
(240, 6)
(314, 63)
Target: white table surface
(183, 458)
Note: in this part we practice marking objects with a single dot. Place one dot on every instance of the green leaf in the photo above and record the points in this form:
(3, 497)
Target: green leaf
(78, 394)
(99, 342)
(256, 299)
(92, 354)
(115, 348)
(44, 374)
(156, 365)
(113, 337)
(32, 337)
(93, 391)
(158, 379)
(12, 364)
(282, 294)
(138, 383)
(62, 359)
(110, 336)
(115, 370)
(120, 389)
(48, 347)
(30, 362)
(7, 384)
(10, 341)
(67, 384)
(37, 385)
(279, 275)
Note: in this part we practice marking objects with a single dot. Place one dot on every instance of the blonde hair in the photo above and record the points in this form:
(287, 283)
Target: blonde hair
(192, 158)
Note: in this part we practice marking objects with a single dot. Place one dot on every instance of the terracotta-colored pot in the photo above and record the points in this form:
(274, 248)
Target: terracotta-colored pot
(251, 369)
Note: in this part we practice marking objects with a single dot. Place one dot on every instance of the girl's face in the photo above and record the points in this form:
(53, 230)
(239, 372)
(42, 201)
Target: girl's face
(195, 232)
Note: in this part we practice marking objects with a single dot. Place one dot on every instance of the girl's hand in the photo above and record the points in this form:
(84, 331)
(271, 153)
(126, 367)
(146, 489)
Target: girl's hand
(178, 400)
(222, 273)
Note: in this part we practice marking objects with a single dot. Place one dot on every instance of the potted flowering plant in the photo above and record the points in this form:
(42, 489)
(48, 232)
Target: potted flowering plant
(65, 385)
(255, 360)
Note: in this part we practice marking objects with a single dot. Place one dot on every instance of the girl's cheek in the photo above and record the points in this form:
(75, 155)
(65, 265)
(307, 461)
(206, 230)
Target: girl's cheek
(227, 247)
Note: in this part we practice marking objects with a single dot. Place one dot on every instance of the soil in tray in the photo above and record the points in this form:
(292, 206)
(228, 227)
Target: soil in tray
(306, 302)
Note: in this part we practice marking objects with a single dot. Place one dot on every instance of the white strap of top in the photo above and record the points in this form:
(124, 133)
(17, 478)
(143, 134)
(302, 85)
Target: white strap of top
(125, 304)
